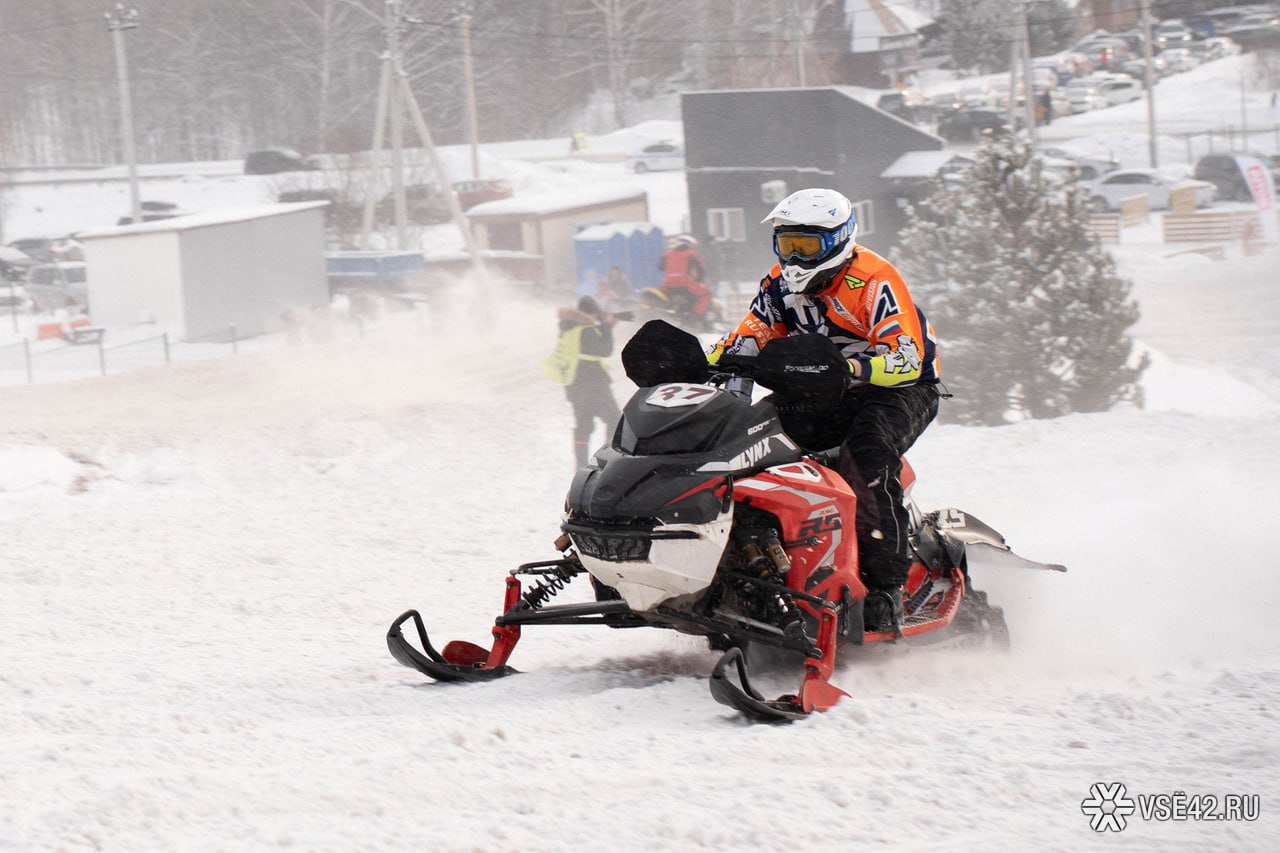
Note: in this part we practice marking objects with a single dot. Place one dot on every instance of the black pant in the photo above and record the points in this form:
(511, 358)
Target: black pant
(592, 398)
(874, 426)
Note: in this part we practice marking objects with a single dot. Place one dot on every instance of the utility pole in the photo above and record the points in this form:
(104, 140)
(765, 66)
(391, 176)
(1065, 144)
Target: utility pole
(798, 31)
(1015, 56)
(394, 94)
(1028, 84)
(468, 72)
(397, 125)
(1149, 80)
(119, 20)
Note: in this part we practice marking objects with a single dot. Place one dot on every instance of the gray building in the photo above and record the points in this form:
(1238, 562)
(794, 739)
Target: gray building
(746, 150)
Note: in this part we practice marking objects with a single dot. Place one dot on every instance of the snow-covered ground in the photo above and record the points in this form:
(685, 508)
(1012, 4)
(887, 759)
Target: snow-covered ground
(202, 561)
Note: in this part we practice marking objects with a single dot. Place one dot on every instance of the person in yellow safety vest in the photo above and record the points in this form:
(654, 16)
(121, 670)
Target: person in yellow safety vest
(578, 363)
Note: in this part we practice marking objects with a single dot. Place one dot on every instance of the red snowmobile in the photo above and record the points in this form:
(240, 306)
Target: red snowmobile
(703, 516)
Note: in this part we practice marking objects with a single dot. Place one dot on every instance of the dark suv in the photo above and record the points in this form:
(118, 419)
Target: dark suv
(273, 161)
(969, 125)
(1223, 172)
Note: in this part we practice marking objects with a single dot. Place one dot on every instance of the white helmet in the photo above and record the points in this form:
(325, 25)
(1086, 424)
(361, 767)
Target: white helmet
(813, 236)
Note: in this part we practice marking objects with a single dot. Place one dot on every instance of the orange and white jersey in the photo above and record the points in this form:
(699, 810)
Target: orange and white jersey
(866, 310)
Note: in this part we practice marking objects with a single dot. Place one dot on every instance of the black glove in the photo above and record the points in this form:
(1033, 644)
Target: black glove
(803, 368)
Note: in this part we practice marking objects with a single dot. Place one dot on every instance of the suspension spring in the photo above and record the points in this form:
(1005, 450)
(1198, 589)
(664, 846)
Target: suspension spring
(790, 619)
(547, 586)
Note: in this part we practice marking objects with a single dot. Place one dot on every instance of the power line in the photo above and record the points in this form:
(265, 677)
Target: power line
(65, 25)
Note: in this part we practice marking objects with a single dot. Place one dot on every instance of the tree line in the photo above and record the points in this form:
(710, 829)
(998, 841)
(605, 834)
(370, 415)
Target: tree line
(214, 80)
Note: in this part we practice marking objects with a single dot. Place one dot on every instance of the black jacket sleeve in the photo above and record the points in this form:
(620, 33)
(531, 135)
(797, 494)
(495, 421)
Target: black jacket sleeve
(597, 340)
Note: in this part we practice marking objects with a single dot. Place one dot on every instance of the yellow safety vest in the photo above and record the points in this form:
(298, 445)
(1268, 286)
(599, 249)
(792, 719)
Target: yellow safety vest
(562, 365)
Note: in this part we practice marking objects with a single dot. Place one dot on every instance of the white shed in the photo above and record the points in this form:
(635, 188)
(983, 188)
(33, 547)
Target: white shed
(543, 225)
(201, 274)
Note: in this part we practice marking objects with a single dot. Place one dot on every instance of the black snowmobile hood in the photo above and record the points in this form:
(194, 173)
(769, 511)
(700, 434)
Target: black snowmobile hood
(676, 445)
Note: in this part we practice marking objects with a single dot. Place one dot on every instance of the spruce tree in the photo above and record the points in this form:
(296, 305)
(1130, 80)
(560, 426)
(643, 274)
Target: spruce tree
(1031, 315)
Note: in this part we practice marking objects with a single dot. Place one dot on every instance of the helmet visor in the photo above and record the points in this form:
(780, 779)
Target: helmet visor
(801, 245)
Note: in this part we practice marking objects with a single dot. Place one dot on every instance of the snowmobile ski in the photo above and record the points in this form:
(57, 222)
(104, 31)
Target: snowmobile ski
(817, 693)
(460, 660)
(745, 698)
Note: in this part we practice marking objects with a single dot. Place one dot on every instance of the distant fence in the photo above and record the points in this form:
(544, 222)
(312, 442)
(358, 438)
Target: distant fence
(1228, 139)
(1182, 200)
(22, 362)
(84, 352)
(1136, 209)
(1210, 226)
(1105, 227)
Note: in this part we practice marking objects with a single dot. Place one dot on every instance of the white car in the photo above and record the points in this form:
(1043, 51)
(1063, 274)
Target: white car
(1180, 59)
(57, 285)
(1086, 98)
(1106, 193)
(658, 157)
(1090, 168)
(1120, 91)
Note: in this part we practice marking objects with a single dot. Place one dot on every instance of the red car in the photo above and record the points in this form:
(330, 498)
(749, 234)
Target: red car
(471, 193)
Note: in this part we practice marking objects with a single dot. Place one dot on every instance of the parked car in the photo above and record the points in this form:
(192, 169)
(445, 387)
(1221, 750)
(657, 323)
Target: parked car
(1107, 192)
(272, 161)
(49, 249)
(985, 97)
(1137, 69)
(1180, 59)
(1222, 171)
(14, 264)
(1108, 53)
(14, 297)
(1257, 30)
(153, 211)
(657, 157)
(1058, 66)
(969, 125)
(909, 104)
(1118, 91)
(1218, 47)
(1171, 33)
(57, 285)
(1089, 168)
(1086, 98)
(479, 190)
(1201, 26)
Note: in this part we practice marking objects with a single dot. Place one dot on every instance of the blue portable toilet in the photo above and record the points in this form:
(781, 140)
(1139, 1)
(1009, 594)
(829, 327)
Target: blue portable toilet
(596, 248)
(648, 244)
(590, 257)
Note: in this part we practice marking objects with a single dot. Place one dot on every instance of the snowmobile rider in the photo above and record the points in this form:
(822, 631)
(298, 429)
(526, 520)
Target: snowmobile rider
(825, 283)
(683, 270)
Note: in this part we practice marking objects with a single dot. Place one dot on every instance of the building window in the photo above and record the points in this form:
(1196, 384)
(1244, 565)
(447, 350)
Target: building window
(726, 224)
(865, 211)
(506, 237)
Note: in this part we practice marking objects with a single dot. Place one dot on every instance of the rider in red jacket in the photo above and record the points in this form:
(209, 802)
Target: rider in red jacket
(683, 270)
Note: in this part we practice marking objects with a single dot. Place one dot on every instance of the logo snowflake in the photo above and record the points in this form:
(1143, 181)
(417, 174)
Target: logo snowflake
(1106, 807)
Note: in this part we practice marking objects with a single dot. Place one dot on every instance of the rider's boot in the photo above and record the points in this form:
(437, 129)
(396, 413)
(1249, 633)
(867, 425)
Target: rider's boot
(882, 610)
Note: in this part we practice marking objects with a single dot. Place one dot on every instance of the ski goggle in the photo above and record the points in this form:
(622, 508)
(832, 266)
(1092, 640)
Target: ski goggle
(807, 245)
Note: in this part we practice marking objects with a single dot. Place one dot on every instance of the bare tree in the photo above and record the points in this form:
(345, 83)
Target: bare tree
(214, 80)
